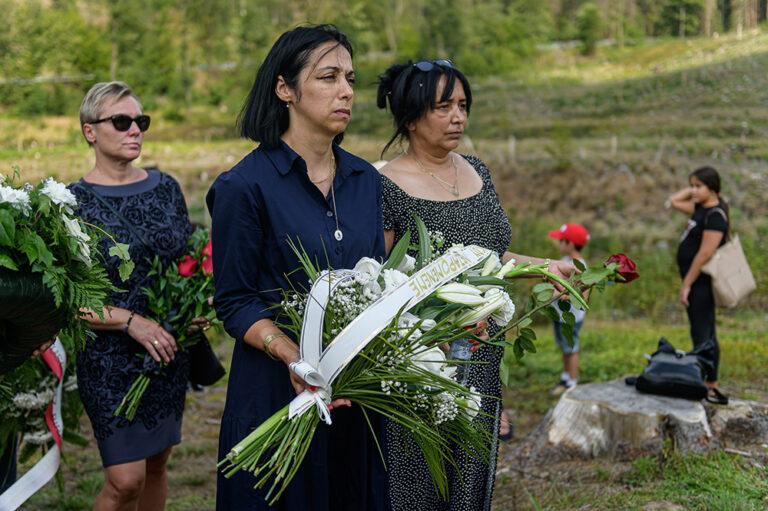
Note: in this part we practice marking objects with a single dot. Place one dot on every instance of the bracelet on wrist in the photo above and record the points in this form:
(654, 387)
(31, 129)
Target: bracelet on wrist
(268, 340)
(128, 323)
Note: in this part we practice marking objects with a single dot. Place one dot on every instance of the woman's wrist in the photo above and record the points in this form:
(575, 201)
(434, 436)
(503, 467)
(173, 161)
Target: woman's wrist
(127, 325)
(279, 346)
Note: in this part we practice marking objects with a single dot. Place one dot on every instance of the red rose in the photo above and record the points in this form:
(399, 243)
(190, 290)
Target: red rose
(187, 266)
(627, 268)
(207, 265)
(208, 250)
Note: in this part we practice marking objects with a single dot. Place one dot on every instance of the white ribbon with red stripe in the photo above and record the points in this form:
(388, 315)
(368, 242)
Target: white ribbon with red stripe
(37, 477)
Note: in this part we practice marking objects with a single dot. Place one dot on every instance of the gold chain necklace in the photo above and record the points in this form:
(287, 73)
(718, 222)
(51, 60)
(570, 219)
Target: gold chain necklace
(453, 188)
(331, 175)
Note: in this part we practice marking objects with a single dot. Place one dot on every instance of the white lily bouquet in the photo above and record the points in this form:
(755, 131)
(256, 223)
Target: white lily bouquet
(376, 335)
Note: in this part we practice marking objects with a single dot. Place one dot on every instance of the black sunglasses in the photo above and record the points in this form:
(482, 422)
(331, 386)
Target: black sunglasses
(428, 65)
(123, 122)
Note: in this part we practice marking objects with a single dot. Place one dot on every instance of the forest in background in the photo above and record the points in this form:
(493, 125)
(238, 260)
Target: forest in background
(183, 52)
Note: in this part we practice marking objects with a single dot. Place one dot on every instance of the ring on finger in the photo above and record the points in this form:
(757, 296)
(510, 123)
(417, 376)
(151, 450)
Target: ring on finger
(155, 342)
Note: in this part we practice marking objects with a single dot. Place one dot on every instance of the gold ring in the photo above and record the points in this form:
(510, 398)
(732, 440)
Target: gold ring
(155, 342)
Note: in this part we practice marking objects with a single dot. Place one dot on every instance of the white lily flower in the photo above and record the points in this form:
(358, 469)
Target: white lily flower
(407, 320)
(472, 403)
(506, 312)
(59, 194)
(505, 269)
(457, 287)
(448, 371)
(369, 267)
(407, 265)
(493, 300)
(492, 265)
(430, 359)
(428, 324)
(460, 293)
(19, 199)
(393, 279)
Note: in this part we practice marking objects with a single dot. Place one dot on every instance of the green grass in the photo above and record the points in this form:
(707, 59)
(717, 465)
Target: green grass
(613, 349)
(696, 482)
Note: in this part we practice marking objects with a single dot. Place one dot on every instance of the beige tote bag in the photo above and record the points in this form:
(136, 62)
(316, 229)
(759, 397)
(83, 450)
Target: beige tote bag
(732, 279)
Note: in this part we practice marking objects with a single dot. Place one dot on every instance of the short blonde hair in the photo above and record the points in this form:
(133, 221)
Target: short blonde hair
(102, 92)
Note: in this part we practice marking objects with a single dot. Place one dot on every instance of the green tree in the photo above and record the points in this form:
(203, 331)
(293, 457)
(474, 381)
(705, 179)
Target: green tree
(590, 27)
(681, 17)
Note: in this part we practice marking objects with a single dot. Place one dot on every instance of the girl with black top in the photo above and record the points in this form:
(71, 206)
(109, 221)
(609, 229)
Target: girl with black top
(706, 231)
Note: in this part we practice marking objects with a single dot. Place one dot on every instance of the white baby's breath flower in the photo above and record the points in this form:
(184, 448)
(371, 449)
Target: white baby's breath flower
(19, 199)
(38, 437)
(372, 290)
(59, 194)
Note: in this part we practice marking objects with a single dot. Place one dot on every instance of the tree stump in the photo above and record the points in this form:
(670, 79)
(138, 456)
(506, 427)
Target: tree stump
(614, 420)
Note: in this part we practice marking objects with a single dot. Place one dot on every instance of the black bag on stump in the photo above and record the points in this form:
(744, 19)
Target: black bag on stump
(674, 373)
(28, 317)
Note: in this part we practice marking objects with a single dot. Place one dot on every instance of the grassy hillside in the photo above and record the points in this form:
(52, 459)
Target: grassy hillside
(601, 140)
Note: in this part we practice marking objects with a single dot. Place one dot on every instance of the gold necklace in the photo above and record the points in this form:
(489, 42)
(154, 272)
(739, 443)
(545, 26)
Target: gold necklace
(332, 174)
(453, 188)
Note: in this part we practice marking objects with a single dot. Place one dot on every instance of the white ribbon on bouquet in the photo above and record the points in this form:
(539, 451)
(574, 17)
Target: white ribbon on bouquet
(56, 359)
(320, 367)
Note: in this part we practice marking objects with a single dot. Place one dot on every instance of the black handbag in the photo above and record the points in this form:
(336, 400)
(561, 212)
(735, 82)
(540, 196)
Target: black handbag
(674, 373)
(204, 366)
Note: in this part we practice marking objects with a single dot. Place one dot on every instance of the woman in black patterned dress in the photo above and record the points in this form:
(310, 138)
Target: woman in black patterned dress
(453, 194)
(145, 209)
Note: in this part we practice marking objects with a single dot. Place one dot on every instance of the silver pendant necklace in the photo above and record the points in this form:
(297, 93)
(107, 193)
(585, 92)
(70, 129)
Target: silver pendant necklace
(337, 233)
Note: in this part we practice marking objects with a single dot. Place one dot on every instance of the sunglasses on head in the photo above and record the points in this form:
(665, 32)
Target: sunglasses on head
(428, 65)
(123, 122)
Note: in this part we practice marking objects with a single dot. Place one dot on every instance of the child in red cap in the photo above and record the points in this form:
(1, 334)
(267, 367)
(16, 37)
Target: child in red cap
(572, 238)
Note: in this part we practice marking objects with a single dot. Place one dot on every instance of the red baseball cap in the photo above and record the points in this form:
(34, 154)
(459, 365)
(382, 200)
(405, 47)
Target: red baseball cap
(575, 233)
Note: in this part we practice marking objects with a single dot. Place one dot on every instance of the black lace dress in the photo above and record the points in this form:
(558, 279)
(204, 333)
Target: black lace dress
(106, 368)
(476, 220)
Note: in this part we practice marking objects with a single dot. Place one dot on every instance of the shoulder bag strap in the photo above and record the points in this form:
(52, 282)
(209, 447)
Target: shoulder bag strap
(725, 217)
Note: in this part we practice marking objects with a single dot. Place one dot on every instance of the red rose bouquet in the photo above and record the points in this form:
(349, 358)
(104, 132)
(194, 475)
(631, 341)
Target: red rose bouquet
(180, 295)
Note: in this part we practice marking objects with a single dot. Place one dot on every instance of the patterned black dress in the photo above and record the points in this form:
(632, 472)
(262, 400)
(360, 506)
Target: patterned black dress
(478, 220)
(106, 368)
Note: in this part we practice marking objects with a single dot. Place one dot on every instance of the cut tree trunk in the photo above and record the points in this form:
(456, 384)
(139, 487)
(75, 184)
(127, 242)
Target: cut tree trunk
(616, 421)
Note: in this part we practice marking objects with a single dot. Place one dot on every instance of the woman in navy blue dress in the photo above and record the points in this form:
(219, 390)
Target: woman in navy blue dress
(298, 185)
(145, 209)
